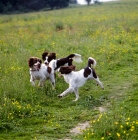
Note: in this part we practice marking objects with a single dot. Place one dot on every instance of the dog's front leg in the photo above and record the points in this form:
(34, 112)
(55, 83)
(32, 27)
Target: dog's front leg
(99, 82)
(41, 82)
(32, 81)
(52, 80)
(70, 89)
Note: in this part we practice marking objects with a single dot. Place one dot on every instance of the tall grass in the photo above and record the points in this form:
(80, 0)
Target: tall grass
(107, 32)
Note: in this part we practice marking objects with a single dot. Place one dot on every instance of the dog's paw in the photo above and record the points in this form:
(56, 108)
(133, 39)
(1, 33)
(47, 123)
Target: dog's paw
(60, 96)
(75, 100)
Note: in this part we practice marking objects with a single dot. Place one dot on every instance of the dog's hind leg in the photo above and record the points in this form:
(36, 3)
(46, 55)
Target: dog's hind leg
(76, 93)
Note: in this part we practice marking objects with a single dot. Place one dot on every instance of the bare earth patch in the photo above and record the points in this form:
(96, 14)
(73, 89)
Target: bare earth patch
(79, 128)
(82, 126)
(102, 109)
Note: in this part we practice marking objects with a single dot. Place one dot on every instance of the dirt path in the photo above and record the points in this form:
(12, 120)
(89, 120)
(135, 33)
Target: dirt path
(83, 126)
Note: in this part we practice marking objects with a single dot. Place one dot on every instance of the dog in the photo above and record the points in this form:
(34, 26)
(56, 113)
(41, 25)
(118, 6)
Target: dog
(40, 71)
(76, 79)
(50, 59)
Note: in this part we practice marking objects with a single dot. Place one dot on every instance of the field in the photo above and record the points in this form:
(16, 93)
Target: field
(107, 32)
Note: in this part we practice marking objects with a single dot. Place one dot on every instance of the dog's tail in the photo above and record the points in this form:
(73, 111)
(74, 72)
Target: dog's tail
(91, 61)
(76, 57)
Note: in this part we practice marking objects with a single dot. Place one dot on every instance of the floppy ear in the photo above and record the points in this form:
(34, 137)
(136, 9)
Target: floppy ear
(67, 69)
(73, 67)
(62, 70)
(51, 56)
(30, 62)
(40, 61)
(44, 55)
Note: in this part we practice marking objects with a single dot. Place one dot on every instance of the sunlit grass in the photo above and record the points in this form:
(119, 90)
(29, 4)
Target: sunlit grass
(108, 33)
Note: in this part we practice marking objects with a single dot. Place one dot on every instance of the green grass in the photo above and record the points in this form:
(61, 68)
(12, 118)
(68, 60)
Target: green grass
(106, 32)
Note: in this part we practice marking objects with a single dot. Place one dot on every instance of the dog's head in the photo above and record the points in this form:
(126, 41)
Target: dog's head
(48, 57)
(34, 63)
(67, 69)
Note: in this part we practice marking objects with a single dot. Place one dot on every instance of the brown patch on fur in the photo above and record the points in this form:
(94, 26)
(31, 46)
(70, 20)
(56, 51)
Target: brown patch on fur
(67, 69)
(87, 72)
(63, 61)
(90, 62)
(49, 69)
(94, 73)
(70, 61)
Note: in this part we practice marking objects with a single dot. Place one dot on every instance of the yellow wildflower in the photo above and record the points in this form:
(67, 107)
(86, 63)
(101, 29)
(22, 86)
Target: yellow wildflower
(118, 134)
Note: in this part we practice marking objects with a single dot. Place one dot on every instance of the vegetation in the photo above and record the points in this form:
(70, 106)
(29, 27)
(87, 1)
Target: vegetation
(88, 2)
(7, 6)
(108, 33)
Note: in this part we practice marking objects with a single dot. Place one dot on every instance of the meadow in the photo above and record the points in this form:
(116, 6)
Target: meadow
(107, 32)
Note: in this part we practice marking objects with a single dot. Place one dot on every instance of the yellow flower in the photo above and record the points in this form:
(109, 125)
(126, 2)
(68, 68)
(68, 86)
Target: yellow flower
(102, 138)
(118, 134)
(109, 134)
(132, 128)
(128, 119)
(121, 126)
(127, 123)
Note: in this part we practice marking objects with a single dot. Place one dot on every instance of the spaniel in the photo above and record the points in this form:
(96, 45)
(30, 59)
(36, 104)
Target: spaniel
(76, 79)
(40, 71)
(50, 59)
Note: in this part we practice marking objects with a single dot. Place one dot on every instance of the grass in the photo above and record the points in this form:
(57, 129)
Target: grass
(107, 32)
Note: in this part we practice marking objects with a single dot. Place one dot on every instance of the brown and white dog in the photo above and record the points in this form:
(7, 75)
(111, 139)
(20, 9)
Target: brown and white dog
(40, 71)
(76, 79)
(57, 63)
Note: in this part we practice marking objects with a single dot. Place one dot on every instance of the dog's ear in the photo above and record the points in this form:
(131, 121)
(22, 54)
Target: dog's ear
(39, 60)
(67, 69)
(51, 56)
(30, 62)
(73, 67)
(61, 70)
(44, 55)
